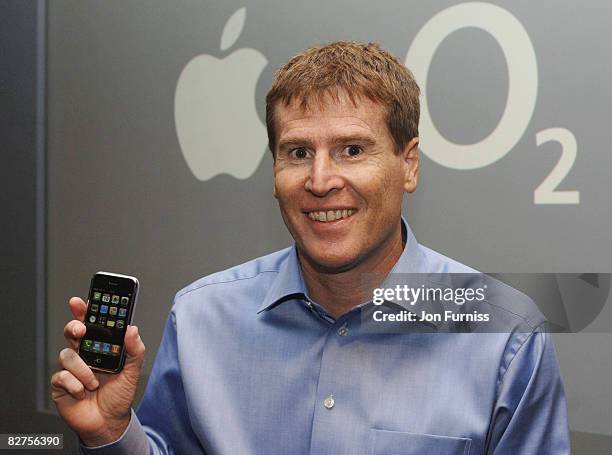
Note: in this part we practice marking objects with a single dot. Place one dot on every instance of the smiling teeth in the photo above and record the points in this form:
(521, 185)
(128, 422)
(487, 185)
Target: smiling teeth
(330, 215)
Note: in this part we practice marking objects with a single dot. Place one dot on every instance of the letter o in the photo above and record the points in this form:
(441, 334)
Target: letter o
(522, 82)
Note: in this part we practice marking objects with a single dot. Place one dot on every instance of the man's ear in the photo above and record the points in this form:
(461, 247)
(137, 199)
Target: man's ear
(410, 157)
(274, 172)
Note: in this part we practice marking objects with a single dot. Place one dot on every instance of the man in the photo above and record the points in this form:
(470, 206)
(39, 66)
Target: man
(275, 356)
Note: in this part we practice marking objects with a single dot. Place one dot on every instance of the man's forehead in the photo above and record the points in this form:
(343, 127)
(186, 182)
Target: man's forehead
(359, 111)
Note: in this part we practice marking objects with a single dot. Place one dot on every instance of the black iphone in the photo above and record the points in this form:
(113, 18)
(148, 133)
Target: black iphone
(110, 309)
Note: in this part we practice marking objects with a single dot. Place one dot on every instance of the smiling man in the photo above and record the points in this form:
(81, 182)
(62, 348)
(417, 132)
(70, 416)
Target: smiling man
(339, 180)
(274, 356)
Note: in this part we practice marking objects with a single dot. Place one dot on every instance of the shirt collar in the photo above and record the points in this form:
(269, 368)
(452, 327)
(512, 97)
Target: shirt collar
(289, 283)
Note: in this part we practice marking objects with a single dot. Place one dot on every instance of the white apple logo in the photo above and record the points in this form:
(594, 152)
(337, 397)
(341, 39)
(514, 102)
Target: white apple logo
(217, 124)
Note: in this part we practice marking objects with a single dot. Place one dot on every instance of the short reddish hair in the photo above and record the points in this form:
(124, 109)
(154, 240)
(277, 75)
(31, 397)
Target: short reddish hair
(358, 69)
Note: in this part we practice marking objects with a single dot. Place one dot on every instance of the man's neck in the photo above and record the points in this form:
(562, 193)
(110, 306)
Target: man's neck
(338, 292)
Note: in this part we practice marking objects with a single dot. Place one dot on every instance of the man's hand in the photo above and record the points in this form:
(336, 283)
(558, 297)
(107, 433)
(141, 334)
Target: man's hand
(96, 406)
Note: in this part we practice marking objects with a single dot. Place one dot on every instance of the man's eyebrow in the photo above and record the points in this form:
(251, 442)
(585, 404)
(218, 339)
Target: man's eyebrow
(355, 138)
(294, 142)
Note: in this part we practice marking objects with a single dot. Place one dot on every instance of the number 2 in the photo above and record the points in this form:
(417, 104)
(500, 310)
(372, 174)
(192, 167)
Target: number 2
(546, 192)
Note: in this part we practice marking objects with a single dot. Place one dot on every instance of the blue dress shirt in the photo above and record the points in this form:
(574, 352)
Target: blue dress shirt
(250, 364)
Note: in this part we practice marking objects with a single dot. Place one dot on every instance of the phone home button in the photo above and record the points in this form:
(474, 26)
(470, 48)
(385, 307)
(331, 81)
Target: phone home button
(98, 360)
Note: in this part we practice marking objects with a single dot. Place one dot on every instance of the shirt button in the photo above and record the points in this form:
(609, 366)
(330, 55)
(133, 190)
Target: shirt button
(343, 331)
(329, 402)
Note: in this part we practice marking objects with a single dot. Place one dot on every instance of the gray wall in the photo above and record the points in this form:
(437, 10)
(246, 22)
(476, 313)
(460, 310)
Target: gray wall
(141, 179)
(23, 385)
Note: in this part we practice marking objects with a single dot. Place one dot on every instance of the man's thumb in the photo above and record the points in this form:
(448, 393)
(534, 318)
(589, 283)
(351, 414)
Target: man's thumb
(135, 350)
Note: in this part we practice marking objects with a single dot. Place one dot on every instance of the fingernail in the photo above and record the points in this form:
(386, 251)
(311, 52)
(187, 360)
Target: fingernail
(75, 331)
(94, 384)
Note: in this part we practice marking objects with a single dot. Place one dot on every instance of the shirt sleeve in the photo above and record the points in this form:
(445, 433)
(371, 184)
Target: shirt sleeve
(530, 415)
(132, 441)
(161, 424)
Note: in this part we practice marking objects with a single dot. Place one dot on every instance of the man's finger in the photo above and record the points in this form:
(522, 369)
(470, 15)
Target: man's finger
(70, 360)
(73, 332)
(78, 307)
(64, 382)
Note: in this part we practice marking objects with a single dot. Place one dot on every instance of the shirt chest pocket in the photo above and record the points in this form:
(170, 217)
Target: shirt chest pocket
(399, 443)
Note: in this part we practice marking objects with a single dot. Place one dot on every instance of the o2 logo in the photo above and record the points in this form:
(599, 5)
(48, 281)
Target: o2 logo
(522, 93)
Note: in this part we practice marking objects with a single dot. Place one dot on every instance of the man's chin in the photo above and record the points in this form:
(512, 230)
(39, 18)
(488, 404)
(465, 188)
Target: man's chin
(327, 261)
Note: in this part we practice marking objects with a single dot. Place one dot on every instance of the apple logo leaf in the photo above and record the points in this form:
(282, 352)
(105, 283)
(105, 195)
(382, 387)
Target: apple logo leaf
(233, 28)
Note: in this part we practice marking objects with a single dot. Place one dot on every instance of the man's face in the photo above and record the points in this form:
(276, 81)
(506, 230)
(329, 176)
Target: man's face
(339, 181)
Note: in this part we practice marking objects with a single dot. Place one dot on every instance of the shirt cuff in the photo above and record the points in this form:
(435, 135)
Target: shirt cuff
(133, 441)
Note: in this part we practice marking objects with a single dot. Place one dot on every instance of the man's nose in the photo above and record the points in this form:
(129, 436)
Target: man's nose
(324, 175)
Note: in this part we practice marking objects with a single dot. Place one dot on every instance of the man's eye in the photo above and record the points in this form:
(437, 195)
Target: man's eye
(300, 153)
(353, 150)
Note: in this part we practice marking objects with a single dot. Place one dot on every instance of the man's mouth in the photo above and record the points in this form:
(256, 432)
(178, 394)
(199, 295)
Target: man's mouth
(326, 216)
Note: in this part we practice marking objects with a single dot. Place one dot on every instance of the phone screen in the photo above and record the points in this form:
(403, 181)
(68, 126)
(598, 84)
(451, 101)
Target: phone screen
(109, 311)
